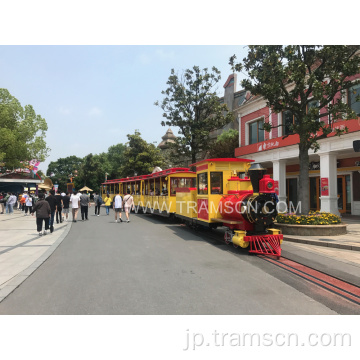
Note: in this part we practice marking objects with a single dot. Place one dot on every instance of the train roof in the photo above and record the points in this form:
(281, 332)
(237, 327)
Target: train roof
(222, 160)
(150, 176)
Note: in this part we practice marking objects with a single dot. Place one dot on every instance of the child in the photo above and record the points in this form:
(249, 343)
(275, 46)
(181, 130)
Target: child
(43, 211)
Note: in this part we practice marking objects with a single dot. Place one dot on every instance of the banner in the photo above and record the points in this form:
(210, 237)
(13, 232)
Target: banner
(324, 186)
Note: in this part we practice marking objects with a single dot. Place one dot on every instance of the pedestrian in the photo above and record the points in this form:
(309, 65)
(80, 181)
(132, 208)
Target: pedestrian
(107, 202)
(59, 206)
(6, 198)
(51, 199)
(117, 206)
(85, 204)
(66, 203)
(43, 212)
(128, 205)
(2, 203)
(75, 204)
(11, 202)
(22, 201)
(28, 205)
(97, 202)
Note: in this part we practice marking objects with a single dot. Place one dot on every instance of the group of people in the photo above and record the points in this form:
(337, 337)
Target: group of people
(119, 204)
(10, 201)
(56, 205)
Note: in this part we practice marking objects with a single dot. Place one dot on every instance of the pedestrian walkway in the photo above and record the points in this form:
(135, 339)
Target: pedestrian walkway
(22, 250)
(349, 241)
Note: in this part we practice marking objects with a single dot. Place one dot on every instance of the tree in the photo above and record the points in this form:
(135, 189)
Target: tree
(92, 171)
(116, 159)
(140, 157)
(225, 145)
(22, 132)
(191, 104)
(292, 77)
(62, 168)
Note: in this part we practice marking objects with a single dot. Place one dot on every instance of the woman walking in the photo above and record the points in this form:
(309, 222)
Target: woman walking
(128, 204)
(43, 211)
(107, 202)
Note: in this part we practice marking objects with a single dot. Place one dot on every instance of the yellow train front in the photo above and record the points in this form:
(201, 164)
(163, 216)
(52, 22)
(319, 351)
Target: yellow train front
(226, 196)
(219, 193)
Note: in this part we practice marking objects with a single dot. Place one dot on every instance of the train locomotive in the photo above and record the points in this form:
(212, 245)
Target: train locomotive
(231, 193)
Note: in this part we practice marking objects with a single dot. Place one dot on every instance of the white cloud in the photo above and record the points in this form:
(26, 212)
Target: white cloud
(95, 111)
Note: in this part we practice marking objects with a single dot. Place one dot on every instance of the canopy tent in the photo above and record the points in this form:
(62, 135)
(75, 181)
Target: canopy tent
(85, 188)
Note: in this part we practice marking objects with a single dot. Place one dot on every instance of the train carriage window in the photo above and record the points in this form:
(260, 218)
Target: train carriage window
(116, 188)
(216, 182)
(202, 184)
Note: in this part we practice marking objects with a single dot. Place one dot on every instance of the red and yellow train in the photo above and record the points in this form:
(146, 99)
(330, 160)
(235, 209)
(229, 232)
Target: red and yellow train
(233, 193)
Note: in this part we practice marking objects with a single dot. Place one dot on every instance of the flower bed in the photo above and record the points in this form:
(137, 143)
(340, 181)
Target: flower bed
(314, 218)
(314, 224)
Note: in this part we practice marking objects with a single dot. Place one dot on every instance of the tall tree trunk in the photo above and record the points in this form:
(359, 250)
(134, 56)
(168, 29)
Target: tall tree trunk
(304, 193)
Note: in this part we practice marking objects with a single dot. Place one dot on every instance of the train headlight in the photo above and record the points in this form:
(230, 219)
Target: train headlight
(269, 185)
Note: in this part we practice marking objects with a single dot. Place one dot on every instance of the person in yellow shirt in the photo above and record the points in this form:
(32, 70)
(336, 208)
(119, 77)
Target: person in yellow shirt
(107, 202)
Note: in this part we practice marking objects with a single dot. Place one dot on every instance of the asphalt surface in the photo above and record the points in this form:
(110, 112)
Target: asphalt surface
(155, 266)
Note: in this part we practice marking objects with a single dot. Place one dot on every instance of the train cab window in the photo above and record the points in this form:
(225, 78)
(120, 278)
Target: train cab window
(202, 184)
(216, 182)
(241, 175)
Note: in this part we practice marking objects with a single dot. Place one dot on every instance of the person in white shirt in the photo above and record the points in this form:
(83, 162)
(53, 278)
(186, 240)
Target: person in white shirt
(128, 205)
(75, 204)
(28, 205)
(117, 205)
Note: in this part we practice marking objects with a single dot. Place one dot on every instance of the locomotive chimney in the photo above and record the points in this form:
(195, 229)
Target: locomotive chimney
(256, 172)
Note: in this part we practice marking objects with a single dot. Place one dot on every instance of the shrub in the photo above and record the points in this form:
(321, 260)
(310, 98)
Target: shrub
(314, 218)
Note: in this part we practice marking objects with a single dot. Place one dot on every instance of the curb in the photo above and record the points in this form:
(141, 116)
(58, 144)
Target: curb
(324, 244)
(23, 275)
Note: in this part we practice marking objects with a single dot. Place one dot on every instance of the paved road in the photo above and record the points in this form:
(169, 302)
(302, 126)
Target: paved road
(154, 266)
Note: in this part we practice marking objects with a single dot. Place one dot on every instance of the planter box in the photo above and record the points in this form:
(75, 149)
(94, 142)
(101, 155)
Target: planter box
(312, 230)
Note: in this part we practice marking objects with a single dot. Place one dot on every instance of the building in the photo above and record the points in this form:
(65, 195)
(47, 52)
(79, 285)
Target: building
(334, 169)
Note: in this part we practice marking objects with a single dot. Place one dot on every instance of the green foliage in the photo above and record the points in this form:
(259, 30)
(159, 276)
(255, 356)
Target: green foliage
(191, 104)
(140, 157)
(290, 78)
(225, 145)
(314, 218)
(62, 168)
(22, 132)
(92, 171)
(116, 159)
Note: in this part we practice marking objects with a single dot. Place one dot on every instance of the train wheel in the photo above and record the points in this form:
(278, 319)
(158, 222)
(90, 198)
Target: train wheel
(227, 237)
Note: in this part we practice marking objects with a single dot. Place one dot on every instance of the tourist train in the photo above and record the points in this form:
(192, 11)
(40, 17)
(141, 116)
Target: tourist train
(233, 193)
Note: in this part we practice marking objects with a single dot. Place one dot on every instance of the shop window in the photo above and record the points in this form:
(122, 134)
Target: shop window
(202, 184)
(353, 94)
(216, 182)
(256, 131)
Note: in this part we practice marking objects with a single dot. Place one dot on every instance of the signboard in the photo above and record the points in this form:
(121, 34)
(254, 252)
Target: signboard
(324, 186)
(276, 187)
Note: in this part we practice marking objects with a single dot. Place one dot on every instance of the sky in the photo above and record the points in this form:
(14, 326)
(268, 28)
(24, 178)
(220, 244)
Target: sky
(94, 69)
(93, 96)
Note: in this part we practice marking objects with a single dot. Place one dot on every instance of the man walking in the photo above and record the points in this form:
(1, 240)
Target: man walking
(75, 204)
(85, 204)
(128, 205)
(51, 199)
(117, 205)
(66, 203)
(59, 206)
(97, 202)
(11, 202)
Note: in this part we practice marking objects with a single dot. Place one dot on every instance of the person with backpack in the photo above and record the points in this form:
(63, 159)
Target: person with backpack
(128, 205)
(98, 201)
